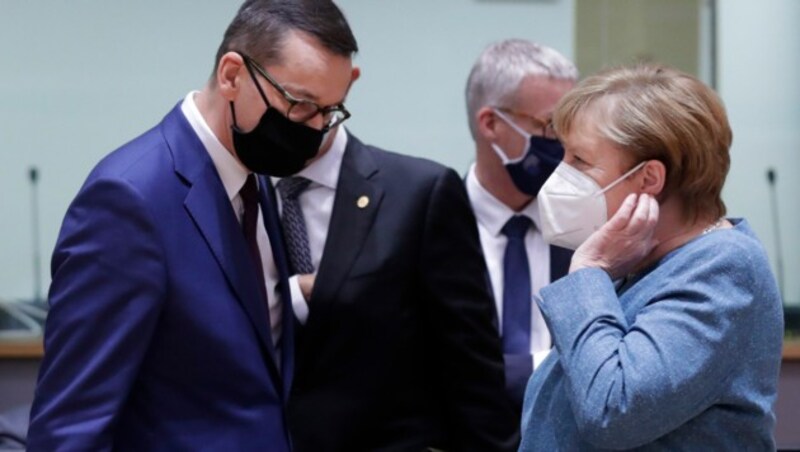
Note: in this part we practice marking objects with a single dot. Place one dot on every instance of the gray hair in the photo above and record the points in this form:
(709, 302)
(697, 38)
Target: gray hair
(496, 76)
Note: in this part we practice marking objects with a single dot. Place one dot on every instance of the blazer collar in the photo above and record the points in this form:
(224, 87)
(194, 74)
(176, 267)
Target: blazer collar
(208, 205)
(358, 198)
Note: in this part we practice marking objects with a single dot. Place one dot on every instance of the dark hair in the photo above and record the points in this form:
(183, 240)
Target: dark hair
(260, 27)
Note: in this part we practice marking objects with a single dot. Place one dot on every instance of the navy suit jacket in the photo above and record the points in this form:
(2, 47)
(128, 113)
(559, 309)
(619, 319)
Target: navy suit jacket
(399, 352)
(157, 336)
(560, 259)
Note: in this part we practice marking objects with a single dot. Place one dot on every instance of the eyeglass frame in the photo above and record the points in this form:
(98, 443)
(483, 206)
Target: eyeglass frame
(293, 101)
(547, 126)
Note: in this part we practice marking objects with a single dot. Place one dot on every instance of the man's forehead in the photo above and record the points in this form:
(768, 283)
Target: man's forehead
(310, 71)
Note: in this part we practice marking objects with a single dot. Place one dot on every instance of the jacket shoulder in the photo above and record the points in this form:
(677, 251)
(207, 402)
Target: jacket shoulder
(147, 150)
(410, 168)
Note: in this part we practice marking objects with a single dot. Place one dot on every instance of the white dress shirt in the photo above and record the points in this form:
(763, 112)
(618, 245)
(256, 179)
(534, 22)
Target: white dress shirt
(492, 215)
(234, 175)
(316, 203)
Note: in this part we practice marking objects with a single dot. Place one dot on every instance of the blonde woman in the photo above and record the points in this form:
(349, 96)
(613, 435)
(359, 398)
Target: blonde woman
(668, 328)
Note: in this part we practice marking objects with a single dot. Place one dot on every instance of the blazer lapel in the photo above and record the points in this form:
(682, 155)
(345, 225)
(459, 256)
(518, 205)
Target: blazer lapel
(210, 209)
(357, 200)
(560, 259)
(272, 224)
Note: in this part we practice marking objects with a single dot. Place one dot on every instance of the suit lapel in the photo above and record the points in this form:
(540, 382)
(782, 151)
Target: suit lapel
(272, 224)
(560, 259)
(357, 200)
(209, 207)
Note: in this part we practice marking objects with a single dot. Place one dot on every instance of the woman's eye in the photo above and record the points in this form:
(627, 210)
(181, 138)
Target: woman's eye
(577, 161)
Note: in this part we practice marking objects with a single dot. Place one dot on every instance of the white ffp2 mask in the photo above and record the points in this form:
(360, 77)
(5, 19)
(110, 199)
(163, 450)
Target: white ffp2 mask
(572, 206)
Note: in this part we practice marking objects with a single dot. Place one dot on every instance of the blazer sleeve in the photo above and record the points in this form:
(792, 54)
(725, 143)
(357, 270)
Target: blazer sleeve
(109, 279)
(629, 383)
(462, 314)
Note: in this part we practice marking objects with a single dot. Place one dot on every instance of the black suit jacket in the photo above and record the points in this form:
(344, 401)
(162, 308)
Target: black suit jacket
(560, 258)
(399, 351)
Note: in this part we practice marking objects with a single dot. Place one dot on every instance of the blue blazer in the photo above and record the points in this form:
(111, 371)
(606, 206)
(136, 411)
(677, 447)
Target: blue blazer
(684, 356)
(157, 336)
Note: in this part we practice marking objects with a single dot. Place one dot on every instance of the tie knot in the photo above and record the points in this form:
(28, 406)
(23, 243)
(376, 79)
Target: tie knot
(517, 227)
(249, 191)
(291, 187)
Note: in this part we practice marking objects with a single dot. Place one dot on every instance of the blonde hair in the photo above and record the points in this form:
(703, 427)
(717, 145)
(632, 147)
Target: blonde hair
(658, 113)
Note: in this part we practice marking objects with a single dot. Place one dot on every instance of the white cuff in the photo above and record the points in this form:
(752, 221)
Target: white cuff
(299, 303)
(538, 357)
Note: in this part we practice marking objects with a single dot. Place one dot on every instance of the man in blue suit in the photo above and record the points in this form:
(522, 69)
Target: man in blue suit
(511, 93)
(170, 326)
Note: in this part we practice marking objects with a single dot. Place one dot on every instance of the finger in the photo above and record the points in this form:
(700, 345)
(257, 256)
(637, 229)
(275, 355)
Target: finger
(621, 218)
(639, 217)
(652, 219)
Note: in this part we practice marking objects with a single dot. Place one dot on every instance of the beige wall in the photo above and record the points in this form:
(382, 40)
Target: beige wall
(613, 32)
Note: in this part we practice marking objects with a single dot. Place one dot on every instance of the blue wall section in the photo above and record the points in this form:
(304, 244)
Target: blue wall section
(81, 77)
(78, 79)
(416, 56)
(759, 67)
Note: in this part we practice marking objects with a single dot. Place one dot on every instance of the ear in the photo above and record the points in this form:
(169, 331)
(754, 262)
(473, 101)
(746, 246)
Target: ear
(654, 176)
(355, 75)
(486, 122)
(229, 72)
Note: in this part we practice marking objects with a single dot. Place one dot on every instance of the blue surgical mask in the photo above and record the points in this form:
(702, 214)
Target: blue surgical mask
(540, 158)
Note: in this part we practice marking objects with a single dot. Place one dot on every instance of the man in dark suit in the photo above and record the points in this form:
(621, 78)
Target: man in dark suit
(396, 347)
(511, 93)
(170, 325)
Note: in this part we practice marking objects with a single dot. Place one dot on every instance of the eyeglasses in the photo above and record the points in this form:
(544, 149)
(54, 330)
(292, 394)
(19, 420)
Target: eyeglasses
(301, 110)
(546, 127)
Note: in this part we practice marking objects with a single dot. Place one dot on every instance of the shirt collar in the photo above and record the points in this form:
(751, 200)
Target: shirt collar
(230, 170)
(325, 170)
(490, 212)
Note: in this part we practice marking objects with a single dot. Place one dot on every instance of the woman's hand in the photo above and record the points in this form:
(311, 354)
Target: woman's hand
(621, 244)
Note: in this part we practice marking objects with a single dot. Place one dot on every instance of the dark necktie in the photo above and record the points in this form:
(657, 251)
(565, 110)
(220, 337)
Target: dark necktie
(249, 194)
(517, 293)
(294, 225)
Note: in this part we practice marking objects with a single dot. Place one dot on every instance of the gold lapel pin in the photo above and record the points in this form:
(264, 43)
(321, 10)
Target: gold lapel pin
(362, 202)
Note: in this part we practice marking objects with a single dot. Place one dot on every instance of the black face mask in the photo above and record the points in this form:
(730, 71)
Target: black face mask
(540, 160)
(277, 146)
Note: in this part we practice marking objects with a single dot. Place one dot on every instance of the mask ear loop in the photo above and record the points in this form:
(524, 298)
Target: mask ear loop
(621, 178)
(233, 114)
(499, 151)
(248, 65)
(250, 71)
(512, 124)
